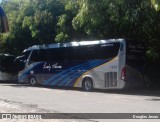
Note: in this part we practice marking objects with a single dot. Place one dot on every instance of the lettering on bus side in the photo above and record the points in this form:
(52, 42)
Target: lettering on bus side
(112, 67)
(49, 66)
(107, 45)
(56, 66)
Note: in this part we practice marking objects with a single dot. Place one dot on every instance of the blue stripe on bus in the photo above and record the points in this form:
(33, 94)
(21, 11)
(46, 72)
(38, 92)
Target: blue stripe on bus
(70, 74)
(74, 73)
(47, 82)
(78, 74)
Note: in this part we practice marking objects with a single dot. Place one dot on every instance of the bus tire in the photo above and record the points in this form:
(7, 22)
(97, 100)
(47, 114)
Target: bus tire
(87, 84)
(32, 81)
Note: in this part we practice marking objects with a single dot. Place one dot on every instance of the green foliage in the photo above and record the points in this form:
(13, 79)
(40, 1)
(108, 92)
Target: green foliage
(61, 37)
(156, 4)
(31, 22)
(48, 21)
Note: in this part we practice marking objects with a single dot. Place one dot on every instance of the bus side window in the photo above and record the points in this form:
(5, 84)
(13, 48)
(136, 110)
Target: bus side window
(38, 56)
(56, 54)
(89, 52)
(109, 50)
(83, 53)
(72, 53)
(33, 57)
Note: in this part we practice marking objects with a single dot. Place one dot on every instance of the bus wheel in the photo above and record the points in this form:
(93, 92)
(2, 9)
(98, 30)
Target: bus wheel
(87, 84)
(32, 81)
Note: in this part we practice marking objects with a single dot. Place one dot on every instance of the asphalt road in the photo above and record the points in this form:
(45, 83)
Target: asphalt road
(23, 98)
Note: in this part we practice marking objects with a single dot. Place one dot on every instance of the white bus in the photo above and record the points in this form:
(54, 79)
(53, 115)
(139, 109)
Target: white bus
(101, 64)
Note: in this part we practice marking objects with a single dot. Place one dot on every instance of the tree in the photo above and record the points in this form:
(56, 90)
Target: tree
(48, 21)
(31, 22)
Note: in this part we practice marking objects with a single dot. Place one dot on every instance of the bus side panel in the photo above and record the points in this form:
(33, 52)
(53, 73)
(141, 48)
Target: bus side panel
(107, 75)
(72, 72)
(30, 70)
(59, 73)
(98, 75)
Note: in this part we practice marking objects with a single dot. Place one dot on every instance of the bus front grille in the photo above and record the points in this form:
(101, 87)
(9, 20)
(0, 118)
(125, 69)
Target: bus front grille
(110, 79)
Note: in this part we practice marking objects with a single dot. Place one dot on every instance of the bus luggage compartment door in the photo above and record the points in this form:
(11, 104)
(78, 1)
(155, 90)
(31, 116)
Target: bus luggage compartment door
(110, 79)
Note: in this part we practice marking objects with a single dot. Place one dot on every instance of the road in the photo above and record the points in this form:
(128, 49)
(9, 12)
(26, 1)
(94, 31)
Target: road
(23, 98)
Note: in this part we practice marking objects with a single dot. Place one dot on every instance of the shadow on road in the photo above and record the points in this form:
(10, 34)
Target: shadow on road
(139, 92)
(134, 91)
(153, 99)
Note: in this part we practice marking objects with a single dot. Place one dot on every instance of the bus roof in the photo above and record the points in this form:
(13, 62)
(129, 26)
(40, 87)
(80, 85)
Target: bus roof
(72, 44)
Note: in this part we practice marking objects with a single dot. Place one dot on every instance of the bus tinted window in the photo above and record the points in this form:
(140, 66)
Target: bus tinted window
(83, 52)
(72, 53)
(109, 50)
(38, 56)
(89, 52)
(55, 54)
(86, 52)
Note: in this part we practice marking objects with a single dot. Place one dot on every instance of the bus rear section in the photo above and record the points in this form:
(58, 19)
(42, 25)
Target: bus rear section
(106, 75)
(133, 71)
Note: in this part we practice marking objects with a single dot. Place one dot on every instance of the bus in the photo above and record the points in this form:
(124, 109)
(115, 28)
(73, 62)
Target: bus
(99, 64)
(8, 70)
